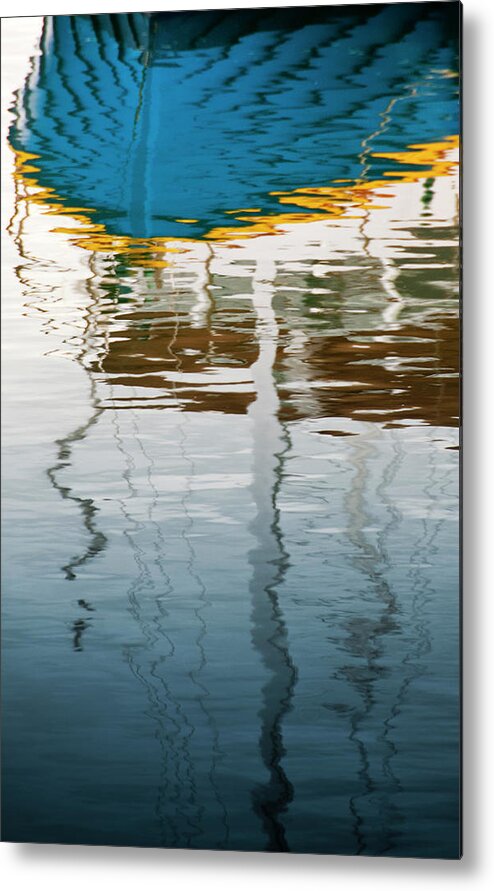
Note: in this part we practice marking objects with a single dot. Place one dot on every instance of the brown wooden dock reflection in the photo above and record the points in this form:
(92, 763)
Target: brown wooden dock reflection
(382, 375)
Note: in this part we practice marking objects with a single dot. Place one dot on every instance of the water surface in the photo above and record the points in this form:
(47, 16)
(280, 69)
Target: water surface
(230, 574)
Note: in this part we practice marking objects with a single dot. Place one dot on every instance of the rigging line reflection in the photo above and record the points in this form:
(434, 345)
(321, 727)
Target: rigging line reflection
(377, 557)
(408, 92)
(97, 539)
(157, 666)
(421, 561)
(174, 728)
(390, 272)
(203, 310)
(17, 229)
(391, 815)
(194, 673)
(412, 661)
(146, 661)
(422, 590)
(188, 824)
(365, 642)
(79, 626)
(269, 561)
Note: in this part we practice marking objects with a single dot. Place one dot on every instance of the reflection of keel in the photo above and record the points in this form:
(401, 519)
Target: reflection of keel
(269, 561)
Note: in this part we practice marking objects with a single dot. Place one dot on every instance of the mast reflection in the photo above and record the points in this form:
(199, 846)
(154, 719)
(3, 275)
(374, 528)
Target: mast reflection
(269, 561)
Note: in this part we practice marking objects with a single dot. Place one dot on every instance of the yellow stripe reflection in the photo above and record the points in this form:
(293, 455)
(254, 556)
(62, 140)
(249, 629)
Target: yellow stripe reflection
(343, 198)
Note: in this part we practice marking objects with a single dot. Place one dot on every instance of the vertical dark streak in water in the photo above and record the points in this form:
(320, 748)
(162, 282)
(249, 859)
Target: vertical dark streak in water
(269, 561)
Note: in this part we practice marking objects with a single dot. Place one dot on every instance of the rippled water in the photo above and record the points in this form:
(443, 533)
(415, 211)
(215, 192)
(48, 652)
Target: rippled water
(230, 595)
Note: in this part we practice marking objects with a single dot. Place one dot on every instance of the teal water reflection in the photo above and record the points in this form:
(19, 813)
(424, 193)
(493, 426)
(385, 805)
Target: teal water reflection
(231, 608)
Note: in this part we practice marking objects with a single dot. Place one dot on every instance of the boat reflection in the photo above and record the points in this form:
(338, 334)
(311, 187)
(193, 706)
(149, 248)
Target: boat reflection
(270, 563)
(262, 102)
(228, 348)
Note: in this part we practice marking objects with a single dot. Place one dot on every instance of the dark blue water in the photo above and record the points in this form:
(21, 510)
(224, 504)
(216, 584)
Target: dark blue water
(230, 570)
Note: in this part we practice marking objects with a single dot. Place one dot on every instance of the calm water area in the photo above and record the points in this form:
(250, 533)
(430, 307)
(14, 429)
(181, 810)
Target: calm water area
(230, 431)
